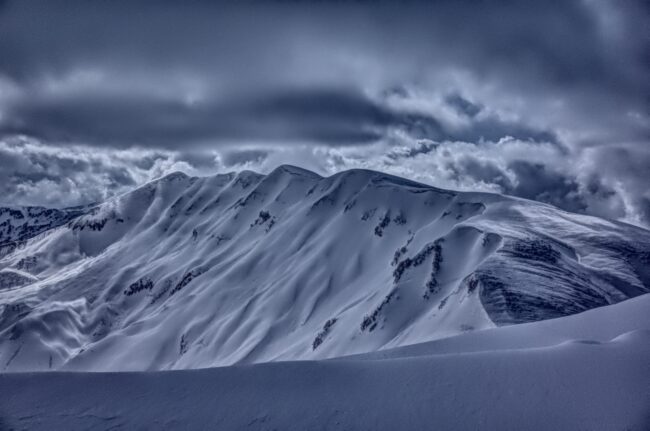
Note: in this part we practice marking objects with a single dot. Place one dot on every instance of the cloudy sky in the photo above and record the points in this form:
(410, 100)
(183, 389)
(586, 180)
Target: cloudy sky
(547, 100)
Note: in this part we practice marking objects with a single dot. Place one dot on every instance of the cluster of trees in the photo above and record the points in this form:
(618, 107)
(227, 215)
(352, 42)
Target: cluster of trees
(263, 217)
(400, 251)
(161, 292)
(38, 219)
(329, 198)
(242, 202)
(400, 219)
(383, 224)
(26, 263)
(95, 225)
(432, 283)
(187, 278)
(419, 258)
(534, 249)
(320, 337)
(349, 205)
(183, 345)
(370, 321)
(367, 215)
(472, 283)
(144, 283)
(15, 214)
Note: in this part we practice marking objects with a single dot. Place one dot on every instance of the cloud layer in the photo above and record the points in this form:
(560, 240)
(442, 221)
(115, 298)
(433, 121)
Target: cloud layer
(543, 100)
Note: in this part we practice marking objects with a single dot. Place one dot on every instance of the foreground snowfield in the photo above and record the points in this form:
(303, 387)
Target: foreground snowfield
(589, 371)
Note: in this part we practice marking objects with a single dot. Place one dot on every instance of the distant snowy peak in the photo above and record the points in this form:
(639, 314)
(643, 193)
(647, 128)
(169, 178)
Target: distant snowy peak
(21, 223)
(190, 272)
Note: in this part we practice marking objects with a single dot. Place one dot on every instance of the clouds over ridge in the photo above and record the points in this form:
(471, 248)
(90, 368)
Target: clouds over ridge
(544, 100)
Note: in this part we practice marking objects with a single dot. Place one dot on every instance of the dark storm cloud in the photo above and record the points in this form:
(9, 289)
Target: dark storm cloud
(241, 56)
(480, 170)
(629, 168)
(536, 181)
(241, 157)
(386, 84)
(463, 106)
(493, 129)
(530, 180)
(560, 187)
(328, 116)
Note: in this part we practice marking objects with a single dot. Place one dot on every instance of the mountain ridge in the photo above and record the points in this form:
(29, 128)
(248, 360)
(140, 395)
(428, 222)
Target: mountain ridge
(244, 267)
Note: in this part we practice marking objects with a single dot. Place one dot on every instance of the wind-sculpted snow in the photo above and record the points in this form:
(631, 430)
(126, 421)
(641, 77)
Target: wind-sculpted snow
(237, 268)
(584, 372)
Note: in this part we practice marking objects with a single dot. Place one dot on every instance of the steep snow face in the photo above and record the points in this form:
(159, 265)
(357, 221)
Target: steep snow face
(196, 272)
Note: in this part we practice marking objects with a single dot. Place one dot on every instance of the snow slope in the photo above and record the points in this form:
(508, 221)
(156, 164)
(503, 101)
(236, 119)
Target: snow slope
(584, 372)
(242, 268)
(18, 224)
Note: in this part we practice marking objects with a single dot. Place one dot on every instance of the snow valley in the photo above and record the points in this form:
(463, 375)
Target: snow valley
(321, 303)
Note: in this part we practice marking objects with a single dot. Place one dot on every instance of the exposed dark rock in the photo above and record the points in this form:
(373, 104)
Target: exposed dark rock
(320, 337)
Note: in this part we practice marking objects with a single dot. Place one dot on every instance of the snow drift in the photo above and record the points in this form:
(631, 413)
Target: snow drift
(584, 372)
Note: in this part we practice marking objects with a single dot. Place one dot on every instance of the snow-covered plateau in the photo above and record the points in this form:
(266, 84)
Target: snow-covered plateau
(294, 301)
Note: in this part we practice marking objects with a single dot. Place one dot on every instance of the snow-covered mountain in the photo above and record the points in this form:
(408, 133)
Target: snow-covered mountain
(18, 224)
(196, 272)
